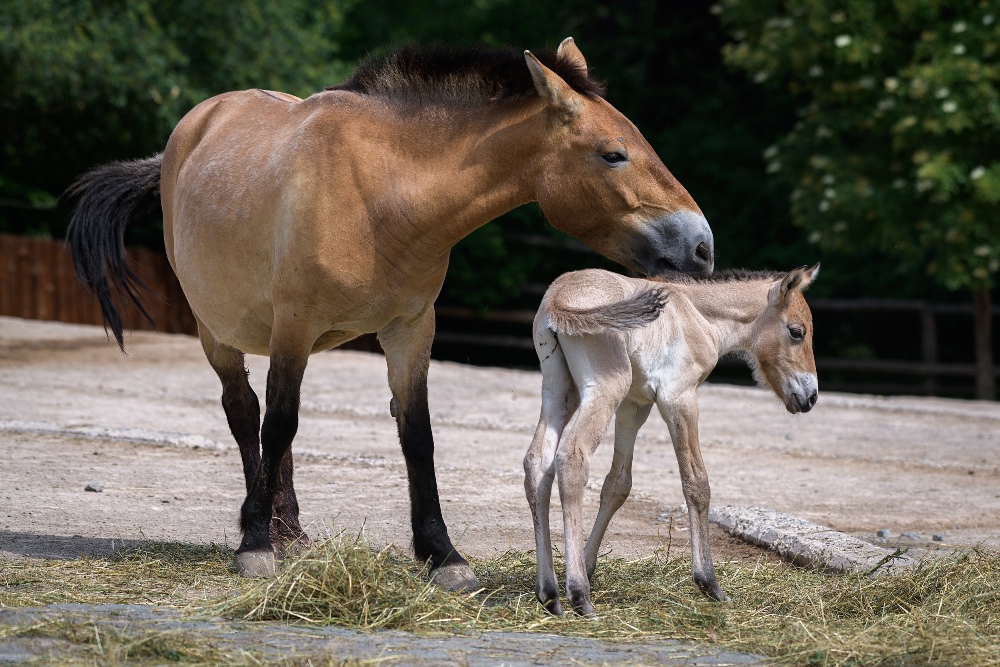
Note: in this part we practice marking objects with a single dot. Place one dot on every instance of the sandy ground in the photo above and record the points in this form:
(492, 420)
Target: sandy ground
(149, 428)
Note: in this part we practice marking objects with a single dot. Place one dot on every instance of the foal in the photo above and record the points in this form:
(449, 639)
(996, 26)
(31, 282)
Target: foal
(613, 345)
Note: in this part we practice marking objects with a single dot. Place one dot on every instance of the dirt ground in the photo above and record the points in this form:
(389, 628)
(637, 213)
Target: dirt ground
(150, 429)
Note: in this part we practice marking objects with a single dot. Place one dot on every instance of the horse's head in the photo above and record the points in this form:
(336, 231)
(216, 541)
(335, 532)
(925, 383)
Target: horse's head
(782, 342)
(601, 181)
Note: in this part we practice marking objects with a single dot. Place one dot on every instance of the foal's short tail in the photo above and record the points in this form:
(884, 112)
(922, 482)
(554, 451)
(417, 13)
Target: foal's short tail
(111, 196)
(631, 313)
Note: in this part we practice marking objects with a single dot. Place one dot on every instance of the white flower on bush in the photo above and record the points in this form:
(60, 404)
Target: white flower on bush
(977, 173)
(843, 40)
(949, 106)
(958, 26)
(958, 49)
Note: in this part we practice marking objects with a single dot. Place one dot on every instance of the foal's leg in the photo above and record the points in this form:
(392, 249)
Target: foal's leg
(407, 345)
(290, 348)
(602, 374)
(617, 485)
(681, 416)
(558, 404)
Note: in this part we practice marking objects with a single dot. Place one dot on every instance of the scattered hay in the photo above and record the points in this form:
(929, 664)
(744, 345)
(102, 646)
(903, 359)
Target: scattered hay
(945, 611)
(160, 573)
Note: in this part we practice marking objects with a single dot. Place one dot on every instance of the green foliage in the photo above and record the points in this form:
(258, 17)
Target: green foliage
(88, 82)
(898, 134)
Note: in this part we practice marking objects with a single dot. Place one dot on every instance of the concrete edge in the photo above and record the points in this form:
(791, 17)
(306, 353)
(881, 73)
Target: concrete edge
(807, 543)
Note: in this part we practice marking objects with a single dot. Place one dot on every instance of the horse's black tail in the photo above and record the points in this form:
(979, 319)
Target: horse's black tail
(110, 197)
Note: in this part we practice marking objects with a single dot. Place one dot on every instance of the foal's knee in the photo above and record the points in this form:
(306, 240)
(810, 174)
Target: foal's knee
(697, 491)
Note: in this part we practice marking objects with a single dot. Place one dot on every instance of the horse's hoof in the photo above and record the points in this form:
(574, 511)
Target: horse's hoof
(586, 609)
(455, 577)
(256, 564)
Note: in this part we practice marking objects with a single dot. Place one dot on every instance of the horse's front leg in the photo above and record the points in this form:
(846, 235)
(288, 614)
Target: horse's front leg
(290, 348)
(407, 345)
(681, 415)
(628, 420)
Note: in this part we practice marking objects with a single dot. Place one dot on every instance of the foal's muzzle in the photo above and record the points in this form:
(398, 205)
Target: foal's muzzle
(801, 392)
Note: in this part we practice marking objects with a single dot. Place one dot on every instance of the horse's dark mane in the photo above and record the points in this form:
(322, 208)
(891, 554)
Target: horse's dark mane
(462, 75)
(724, 276)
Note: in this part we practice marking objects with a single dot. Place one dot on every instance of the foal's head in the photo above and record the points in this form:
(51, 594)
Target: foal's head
(782, 342)
(602, 182)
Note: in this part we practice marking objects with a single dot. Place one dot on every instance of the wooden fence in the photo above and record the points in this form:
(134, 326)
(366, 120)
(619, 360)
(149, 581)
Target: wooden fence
(37, 281)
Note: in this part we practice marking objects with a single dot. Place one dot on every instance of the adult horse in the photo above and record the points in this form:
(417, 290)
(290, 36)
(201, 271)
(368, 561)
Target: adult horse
(296, 225)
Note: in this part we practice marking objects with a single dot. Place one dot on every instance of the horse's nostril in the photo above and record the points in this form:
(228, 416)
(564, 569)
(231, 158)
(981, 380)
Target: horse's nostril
(813, 397)
(702, 252)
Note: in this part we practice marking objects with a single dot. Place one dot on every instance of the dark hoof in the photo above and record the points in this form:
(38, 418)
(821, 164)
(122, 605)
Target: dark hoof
(552, 606)
(586, 609)
(258, 564)
(455, 577)
(712, 590)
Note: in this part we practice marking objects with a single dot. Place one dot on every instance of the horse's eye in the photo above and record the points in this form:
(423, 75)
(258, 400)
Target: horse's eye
(614, 157)
(797, 333)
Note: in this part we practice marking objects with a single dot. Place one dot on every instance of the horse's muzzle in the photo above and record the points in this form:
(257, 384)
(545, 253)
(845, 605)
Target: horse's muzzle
(681, 241)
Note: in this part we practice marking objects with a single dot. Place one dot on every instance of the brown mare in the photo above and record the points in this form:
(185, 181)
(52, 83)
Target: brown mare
(296, 225)
(612, 346)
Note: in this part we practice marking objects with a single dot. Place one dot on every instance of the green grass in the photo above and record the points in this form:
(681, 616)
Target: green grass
(944, 612)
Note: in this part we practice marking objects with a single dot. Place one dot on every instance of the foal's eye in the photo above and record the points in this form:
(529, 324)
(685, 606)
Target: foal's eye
(797, 333)
(614, 157)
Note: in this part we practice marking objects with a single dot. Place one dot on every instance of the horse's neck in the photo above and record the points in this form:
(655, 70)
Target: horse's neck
(469, 165)
(729, 309)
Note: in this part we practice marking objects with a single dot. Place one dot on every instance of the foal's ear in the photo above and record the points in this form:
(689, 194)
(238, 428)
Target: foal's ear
(796, 280)
(571, 52)
(551, 87)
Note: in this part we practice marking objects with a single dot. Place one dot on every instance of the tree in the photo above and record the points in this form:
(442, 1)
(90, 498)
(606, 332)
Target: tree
(88, 81)
(897, 146)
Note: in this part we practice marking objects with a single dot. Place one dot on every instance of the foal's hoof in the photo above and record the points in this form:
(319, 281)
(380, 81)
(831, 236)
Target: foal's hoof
(713, 590)
(256, 563)
(455, 577)
(553, 607)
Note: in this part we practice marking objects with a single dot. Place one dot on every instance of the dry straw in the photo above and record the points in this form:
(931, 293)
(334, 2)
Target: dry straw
(946, 611)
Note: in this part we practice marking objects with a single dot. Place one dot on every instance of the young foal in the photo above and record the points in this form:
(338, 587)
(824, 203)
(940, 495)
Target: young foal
(613, 345)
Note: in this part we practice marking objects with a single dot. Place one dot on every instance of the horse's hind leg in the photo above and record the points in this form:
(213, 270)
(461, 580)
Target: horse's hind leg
(602, 374)
(617, 485)
(238, 399)
(290, 348)
(558, 404)
(243, 414)
(407, 345)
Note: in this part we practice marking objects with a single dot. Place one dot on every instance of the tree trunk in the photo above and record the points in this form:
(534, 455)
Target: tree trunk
(982, 317)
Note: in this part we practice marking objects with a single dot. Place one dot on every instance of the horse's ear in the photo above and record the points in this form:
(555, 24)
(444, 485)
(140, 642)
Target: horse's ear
(796, 280)
(551, 87)
(568, 50)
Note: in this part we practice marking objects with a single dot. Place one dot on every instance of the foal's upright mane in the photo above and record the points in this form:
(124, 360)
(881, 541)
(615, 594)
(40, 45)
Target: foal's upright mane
(469, 75)
(724, 276)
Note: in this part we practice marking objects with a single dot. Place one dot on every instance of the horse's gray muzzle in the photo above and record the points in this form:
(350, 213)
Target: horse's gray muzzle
(681, 241)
